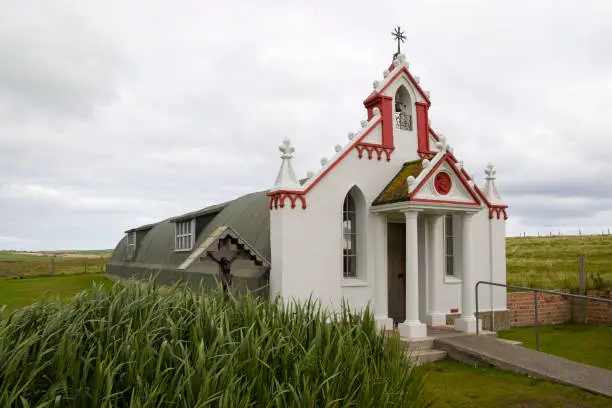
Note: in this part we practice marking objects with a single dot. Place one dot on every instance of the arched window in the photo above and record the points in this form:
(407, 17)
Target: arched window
(349, 237)
(403, 109)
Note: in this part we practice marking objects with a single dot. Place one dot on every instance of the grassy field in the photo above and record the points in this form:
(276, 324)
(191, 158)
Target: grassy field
(552, 262)
(24, 264)
(455, 385)
(584, 343)
(16, 293)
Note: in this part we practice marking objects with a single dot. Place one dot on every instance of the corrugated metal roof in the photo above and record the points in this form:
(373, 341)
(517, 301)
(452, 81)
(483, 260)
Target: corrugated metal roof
(204, 211)
(141, 228)
(248, 215)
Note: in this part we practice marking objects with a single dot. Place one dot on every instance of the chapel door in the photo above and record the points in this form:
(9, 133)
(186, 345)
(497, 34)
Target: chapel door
(396, 262)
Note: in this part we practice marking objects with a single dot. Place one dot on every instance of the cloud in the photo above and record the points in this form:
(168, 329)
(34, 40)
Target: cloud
(116, 114)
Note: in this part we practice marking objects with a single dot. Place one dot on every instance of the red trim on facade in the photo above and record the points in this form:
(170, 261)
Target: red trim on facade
(447, 158)
(371, 148)
(426, 155)
(434, 134)
(422, 127)
(414, 83)
(498, 211)
(428, 200)
(277, 199)
(385, 105)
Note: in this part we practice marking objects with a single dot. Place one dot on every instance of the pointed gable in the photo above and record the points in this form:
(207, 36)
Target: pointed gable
(445, 183)
(436, 181)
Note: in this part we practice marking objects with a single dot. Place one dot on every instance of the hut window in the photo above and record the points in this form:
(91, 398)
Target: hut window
(184, 235)
(131, 244)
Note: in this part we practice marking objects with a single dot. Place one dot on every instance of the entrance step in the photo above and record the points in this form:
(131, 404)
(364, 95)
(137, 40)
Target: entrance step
(424, 343)
(419, 357)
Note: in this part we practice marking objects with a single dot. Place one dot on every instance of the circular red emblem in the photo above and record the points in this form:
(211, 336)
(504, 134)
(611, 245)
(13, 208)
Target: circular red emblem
(442, 183)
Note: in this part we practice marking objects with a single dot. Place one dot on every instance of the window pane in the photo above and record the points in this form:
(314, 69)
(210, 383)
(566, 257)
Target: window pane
(449, 266)
(449, 246)
(346, 243)
(449, 225)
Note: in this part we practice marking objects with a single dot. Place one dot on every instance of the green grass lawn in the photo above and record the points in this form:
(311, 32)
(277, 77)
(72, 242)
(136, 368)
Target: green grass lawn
(453, 385)
(16, 293)
(552, 262)
(587, 344)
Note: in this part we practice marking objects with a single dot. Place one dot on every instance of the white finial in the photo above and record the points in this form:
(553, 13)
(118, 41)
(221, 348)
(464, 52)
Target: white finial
(385, 73)
(337, 148)
(323, 161)
(286, 176)
(351, 135)
(375, 84)
(286, 149)
(441, 143)
(376, 111)
(310, 174)
(490, 189)
(417, 79)
(459, 164)
(428, 94)
(364, 123)
(396, 63)
(401, 58)
(425, 163)
(449, 148)
(410, 180)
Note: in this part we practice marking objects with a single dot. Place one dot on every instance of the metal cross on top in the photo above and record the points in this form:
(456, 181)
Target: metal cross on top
(399, 36)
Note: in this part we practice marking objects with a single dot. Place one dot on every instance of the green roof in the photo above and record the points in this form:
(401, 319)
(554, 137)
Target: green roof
(248, 215)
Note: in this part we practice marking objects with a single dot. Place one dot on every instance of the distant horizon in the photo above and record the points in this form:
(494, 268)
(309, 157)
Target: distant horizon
(606, 232)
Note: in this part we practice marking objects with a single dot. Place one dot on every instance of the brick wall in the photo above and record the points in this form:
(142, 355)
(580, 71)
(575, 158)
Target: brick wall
(552, 309)
(599, 312)
(556, 309)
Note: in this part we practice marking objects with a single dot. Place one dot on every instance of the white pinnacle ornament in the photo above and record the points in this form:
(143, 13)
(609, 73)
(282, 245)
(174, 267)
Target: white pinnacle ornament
(286, 176)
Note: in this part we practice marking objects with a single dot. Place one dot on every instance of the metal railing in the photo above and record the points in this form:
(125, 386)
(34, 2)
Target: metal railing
(403, 120)
(535, 302)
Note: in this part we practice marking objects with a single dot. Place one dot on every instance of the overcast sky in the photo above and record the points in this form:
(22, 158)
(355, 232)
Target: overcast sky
(117, 113)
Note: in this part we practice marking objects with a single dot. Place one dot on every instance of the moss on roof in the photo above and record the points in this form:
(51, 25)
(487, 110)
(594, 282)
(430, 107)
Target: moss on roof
(397, 189)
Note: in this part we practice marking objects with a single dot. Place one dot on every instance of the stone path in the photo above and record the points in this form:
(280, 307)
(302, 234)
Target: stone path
(492, 351)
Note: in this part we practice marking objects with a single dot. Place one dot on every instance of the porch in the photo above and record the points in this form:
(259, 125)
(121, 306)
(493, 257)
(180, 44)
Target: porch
(414, 253)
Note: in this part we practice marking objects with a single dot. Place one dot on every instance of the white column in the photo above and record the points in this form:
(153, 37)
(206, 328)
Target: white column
(435, 317)
(412, 326)
(381, 295)
(467, 322)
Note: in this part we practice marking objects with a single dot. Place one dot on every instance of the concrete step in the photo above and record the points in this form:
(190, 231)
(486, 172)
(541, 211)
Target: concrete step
(511, 342)
(424, 343)
(419, 357)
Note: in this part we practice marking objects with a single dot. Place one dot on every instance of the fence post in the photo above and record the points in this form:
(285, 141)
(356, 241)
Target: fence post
(579, 306)
(582, 277)
(535, 302)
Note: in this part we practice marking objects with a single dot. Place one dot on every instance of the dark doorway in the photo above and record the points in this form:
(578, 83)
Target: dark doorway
(396, 262)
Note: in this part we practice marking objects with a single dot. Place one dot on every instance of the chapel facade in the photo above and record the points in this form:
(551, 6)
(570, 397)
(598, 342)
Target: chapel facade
(393, 220)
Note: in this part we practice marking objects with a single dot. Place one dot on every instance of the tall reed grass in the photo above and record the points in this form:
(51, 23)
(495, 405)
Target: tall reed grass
(132, 346)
